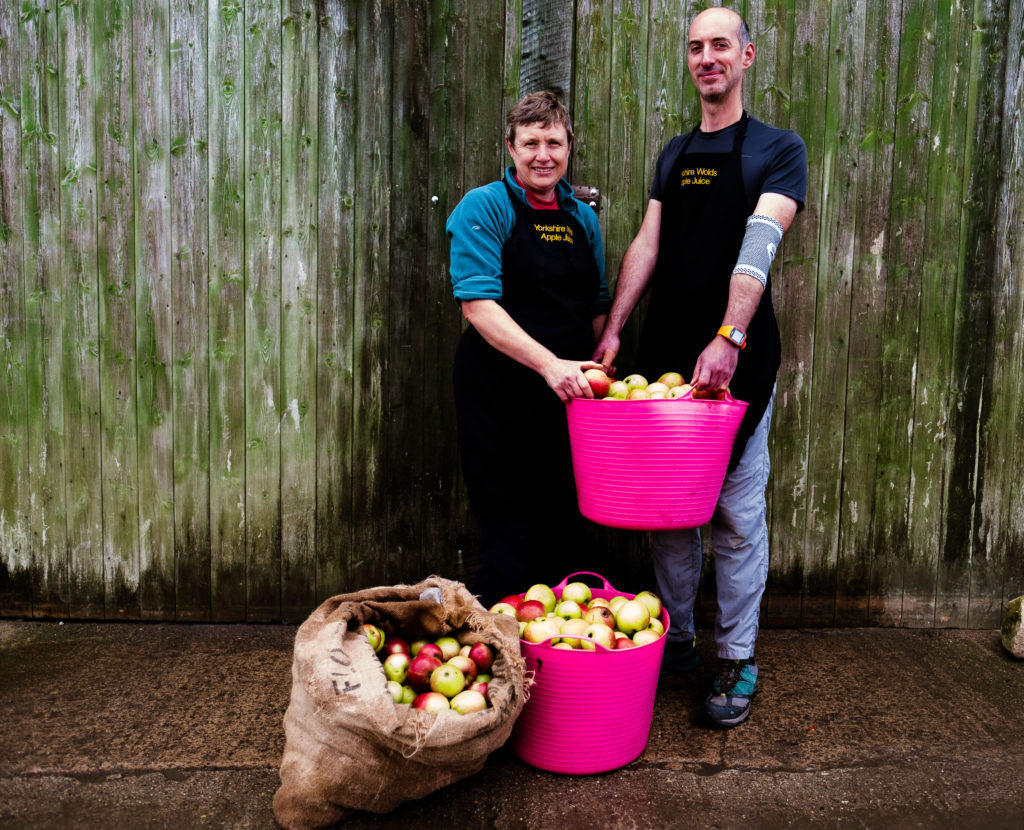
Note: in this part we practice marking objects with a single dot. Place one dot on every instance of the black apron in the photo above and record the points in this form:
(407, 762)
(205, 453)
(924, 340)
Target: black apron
(703, 220)
(513, 438)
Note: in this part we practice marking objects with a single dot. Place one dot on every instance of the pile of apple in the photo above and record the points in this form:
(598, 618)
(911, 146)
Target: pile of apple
(437, 675)
(635, 387)
(581, 621)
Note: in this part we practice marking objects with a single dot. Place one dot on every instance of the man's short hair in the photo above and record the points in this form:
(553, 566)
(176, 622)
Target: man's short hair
(744, 33)
(542, 108)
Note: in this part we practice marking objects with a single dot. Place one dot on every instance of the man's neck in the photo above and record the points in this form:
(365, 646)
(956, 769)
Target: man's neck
(717, 116)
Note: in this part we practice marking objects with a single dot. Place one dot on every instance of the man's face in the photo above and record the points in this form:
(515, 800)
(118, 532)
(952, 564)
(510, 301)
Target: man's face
(716, 59)
(541, 156)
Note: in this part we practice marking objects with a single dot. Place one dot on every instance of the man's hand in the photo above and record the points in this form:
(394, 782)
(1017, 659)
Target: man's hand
(715, 366)
(606, 351)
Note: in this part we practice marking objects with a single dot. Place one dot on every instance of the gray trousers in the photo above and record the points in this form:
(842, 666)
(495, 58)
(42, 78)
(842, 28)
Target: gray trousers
(739, 539)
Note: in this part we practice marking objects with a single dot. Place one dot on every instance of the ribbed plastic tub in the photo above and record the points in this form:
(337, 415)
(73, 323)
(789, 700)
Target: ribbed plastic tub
(588, 711)
(651, 464)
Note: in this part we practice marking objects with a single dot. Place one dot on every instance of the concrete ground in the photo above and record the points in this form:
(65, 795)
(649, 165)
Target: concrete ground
(125, 726)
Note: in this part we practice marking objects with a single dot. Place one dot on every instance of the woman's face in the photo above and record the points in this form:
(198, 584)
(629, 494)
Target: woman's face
(541, 157)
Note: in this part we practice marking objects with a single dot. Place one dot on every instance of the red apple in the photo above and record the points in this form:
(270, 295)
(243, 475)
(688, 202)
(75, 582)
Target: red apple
(479, 686)
(431, 650)
(600, 614)
(624, 642)
(515, 600)
(599, 382)
(530, 610)
(420, 669)
(431, 702)
(397, 644)
(483, 655)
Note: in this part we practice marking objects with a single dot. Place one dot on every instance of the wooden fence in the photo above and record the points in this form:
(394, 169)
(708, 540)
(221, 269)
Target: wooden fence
(226, 327)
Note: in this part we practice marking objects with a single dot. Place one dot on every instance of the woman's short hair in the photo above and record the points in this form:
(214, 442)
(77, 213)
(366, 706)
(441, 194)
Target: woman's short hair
(542, 108)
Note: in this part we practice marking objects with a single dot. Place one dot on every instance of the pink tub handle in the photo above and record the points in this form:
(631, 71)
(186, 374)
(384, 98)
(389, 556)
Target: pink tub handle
(564, 582)
(688, 396)
(547, 643)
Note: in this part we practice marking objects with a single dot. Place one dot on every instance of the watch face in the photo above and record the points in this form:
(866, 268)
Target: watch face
(736, 336)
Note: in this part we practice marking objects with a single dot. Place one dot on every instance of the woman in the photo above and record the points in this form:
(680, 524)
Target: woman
(527, 269)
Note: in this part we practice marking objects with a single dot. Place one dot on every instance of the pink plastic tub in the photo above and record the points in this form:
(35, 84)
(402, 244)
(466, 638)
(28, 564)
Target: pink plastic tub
(588, 711)
(651, 464)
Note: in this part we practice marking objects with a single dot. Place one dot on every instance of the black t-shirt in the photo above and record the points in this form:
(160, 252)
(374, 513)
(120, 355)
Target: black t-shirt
(774, 160)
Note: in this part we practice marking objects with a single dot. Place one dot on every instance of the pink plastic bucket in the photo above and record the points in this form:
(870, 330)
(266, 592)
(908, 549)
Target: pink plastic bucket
(587, 711)
(651, 464)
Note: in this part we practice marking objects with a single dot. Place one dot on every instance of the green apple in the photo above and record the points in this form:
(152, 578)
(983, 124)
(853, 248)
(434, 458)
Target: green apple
(577, 592)
(543, 594)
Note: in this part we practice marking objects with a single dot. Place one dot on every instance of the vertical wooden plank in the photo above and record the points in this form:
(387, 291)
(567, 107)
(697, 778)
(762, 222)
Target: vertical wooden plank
(404, 390)
(41, 200)
(116, 263)
(78, 83)
(865, 546)
(893, 598)
(335, 286)
(1008, 382)
(943, 258)
(830, 352)
(154, 321)
(628, 164)
(16, 551)
(189, 246)
(547, 47)
(1000, 535)
(446, 57)
(372, 146)
(805, 85)
(225, 90)
(298, 308)
(962, 553)
(263, 407)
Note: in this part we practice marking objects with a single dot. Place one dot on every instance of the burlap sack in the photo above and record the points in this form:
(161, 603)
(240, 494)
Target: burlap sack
(347, 745)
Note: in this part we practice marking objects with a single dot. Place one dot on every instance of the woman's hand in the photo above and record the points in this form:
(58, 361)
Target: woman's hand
(566, 378)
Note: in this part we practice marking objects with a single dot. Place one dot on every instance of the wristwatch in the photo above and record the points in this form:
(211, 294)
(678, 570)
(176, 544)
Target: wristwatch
(736, 336)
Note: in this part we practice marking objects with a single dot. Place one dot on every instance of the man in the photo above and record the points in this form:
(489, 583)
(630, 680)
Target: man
(722, 198)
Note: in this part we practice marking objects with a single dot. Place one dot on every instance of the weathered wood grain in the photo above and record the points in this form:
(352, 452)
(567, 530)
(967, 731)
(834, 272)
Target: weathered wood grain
(16, 549)
(264, 408)
(226, 325)
(225, 86)
(97, 584)
(154, 306)
(190, 264)
(299, 151)
(337, 229)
